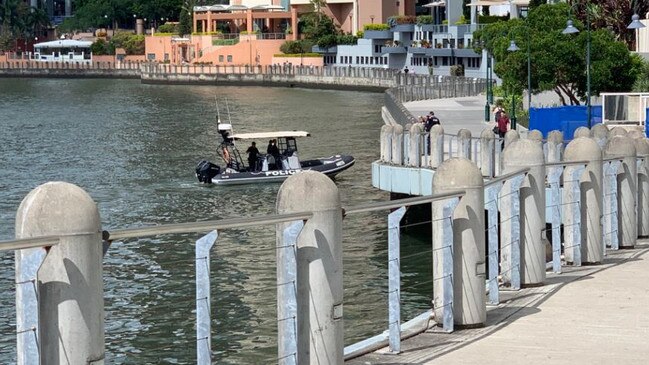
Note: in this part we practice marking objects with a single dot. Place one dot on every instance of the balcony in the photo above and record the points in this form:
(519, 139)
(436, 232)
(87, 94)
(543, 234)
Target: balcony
(318, 49)
(271, 36)
(393, 50)
(403, 28)
(377, 34)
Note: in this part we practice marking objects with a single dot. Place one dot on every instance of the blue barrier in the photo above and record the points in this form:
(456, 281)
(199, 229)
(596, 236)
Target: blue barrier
(563, 118)
(646, 123)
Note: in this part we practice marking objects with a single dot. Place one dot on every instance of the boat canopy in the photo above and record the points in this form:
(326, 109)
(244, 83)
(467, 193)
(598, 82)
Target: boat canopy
(267, 135)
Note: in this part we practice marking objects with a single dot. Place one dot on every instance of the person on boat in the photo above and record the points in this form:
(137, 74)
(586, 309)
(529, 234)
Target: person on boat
(273, 150)
(226, 156)
(252, 152)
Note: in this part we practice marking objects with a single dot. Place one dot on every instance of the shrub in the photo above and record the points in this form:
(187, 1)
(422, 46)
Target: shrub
(402, 19)
(292, 55)
(360, 34)
(296, 47)
(457, 70)
(346, 39)
(100, 47)
(461, 20)
(168, 28)
(376, 27)
(327, 41)
(424, 19)
(208, 33)
(133, 44)
(488, 19)
(156, 34)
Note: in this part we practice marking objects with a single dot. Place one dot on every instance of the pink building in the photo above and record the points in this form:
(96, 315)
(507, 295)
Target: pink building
(252, 31)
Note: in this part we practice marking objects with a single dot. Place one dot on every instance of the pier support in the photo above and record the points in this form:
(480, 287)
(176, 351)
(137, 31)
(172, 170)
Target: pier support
(642, 150)
(469, 269)
(69, 282)
(520, 154)
(623, 147)
(319, 266)
(487, 153)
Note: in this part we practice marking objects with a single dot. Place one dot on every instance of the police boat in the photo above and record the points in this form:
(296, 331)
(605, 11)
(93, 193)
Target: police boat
(276, 166)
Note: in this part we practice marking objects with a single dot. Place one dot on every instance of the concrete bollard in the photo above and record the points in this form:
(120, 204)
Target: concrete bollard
(511, 136)
(397, 145)
(635, 134)
(70, 284)
(386, 143)
(554, 146)
(582, 132)
(520, 154)
(487, 153)
(469, 305)
(600, 132)
(623, 147)
(415, 148)
(464, 143)
(617, 131)
(590, 209)
(436, 140)
(535, 135)
(319, 266)
(642, 150)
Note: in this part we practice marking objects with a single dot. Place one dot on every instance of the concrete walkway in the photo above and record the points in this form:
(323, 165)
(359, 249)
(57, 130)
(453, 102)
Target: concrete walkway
(455, 114)
(587, 315)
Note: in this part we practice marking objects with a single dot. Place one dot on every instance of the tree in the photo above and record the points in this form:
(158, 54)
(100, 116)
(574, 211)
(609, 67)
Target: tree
(642, 82)
(317, 7)
(558, 60)
(536, 3)
(185, 18)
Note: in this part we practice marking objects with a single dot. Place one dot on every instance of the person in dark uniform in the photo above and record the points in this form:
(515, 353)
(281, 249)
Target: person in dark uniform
(274, 151)
(252, 152)
(431, 120)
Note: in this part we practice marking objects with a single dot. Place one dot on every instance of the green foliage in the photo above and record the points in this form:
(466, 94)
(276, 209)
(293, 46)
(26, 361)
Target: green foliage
(402, 19)
(360, 34)
(100, 48)
(641, 83)
(378, 26)
(461, 20)
(168, 28)
(293, 55)
(424, 19)
(558, 60)
(536, 3)
(457, 70)
(346, 39)
(327, 41)
(489, 19)
(185, 18)
(159, 34)
(295, 47)
(133, 44)
(313, 28)
(225, 42)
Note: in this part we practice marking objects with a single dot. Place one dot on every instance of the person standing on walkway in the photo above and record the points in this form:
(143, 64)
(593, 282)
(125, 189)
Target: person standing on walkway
(503, 125)
(431, 120)
(405, 70)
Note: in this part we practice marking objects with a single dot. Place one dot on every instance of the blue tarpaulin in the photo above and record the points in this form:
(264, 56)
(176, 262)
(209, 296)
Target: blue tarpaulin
(563, 118)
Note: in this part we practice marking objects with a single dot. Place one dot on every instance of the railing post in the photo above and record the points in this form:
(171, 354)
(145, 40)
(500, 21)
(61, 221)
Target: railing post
(394, 279)
(554, 212)
(510, 232)
(436, 146)
(415, 152)
(386, 143)
(469, 306)
(642, 149)
(582, 132)
(520, 154)
(610, 209)
(319, 265)
(397, 144)
(554, 146)
(464, 143)
(487, 155)
(624, 147)
(600, 133)
(590, 194)
(69, 285)
(203, 299)
(287, 293)
(572, 218)
(491, 205)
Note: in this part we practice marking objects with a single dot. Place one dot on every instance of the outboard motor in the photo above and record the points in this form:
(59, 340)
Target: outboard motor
(206, 170)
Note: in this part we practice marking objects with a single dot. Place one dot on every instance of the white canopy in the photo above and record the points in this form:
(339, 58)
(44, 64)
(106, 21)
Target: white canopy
(270, 135)
(64, 43)
(435, 4)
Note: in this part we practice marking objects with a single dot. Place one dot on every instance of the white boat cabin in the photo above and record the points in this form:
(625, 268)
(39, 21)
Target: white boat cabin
(64, 50)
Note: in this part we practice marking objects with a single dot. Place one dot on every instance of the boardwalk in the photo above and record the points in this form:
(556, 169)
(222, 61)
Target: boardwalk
(455, 114)
(587, 315)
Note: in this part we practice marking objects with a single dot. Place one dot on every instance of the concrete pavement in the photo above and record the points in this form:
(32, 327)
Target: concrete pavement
(455, 114)
(586, 315)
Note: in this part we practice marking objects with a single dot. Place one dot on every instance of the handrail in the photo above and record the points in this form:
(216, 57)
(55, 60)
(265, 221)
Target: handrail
(371, 207)
(566, 163)
(611, 159)
(508, 176)
(194, 227)
(24, 243)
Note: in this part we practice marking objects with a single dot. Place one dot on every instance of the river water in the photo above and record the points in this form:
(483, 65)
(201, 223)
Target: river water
(133, 148)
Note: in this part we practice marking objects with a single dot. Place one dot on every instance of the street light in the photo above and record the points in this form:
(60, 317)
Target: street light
(636, 24)
(570, 29)
(490, 97)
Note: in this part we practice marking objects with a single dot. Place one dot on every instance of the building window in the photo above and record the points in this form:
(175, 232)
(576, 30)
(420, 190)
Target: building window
(444, 61)
(166, 57)
(357, 60)
(220, 58)
(229, 58)
(150, 56)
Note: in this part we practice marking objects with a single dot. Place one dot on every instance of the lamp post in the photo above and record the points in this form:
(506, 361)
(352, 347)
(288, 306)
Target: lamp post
(570, 29)
(636, 24)
(513, 48)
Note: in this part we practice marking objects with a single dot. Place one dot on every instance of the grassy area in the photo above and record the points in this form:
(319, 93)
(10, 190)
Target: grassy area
(225, 42)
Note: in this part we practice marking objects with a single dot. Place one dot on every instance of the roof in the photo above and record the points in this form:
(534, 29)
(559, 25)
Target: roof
(64, 43)
(267, 135)
(498, 2)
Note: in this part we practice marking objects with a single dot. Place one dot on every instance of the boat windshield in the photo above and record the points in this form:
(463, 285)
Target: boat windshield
(287, 146)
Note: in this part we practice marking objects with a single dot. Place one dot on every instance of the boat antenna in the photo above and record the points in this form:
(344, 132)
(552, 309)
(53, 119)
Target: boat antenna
(218, 115)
